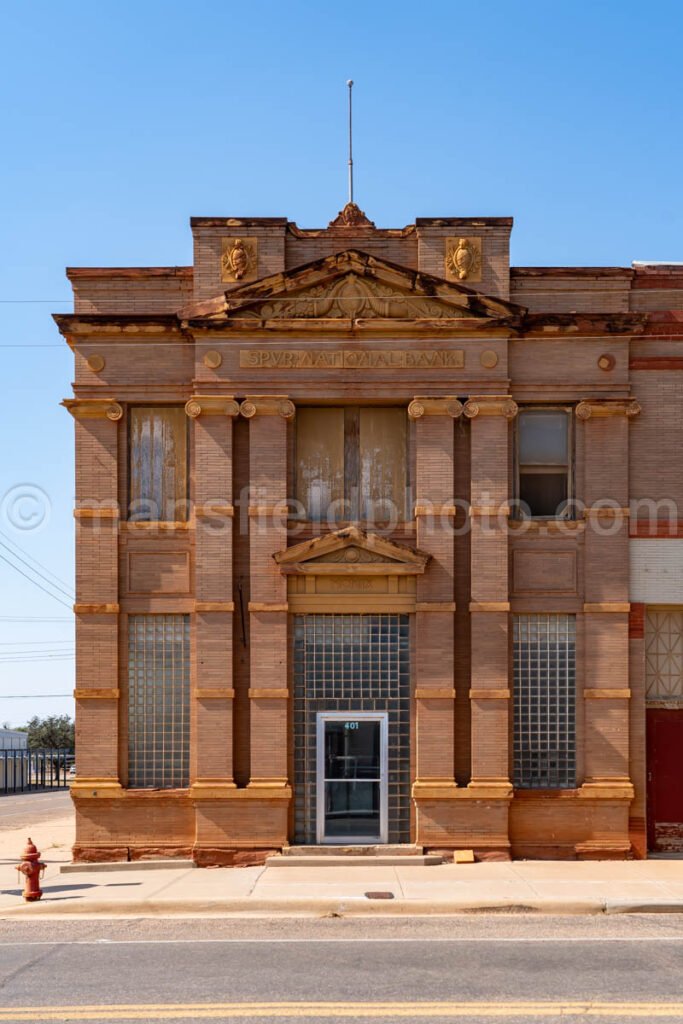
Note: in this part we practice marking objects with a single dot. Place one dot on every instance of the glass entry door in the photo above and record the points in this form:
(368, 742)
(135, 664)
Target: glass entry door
(352, 777)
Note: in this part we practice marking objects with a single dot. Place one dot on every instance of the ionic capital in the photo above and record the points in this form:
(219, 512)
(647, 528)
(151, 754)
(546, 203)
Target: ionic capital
(491, 405)
(590, 408)
(93, 408)
(449, 406)
(267, 405)
(211, 405)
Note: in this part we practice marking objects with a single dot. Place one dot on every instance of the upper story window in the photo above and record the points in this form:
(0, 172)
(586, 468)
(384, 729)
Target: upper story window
(544, 462)
(158, 463)
(351, 463)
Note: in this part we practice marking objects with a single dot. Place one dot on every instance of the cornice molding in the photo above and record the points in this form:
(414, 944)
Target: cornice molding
(449, 406)
(93, 408)
(211, 405)
(491, 405)
(590, 408)
(267, 405)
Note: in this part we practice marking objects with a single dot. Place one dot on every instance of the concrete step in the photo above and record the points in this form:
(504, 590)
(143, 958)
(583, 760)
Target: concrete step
(374, 850)
(129, 865)
(355, 861)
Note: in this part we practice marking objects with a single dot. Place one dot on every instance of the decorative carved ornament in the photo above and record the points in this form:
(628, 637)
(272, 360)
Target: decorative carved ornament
(93, 408)
(267, 405)
(353, 297)
(589, 408)
(239, 259)
(351, 550)
(449, 406)
(351, 217)
(96, 363)
(463, 259)
(491, 405)
(212, 359)
(211, 405)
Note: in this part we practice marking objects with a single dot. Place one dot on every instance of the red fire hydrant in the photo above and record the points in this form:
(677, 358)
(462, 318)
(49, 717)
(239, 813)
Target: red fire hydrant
(33, 868)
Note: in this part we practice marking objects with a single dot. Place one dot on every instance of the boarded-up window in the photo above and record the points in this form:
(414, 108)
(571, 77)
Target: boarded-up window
(158, 464)
(382, 445)
(320, 462)
(352, 464)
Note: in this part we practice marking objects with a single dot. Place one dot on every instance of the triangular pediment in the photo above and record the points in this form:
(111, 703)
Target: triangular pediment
(351, 550)
(352, 286)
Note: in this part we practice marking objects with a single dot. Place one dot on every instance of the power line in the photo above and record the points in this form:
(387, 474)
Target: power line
(22, 659)
(42, 576)
(33, 696)
(40, 565)
(29, 643)
(36, 619)
(34, 582)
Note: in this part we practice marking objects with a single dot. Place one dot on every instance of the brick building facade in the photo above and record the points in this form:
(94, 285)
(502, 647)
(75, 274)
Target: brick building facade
(355, 511)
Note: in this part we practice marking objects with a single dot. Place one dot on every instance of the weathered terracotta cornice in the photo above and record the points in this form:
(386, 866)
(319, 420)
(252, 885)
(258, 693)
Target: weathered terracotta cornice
(547, 325)
(73, 325)
(87, 273)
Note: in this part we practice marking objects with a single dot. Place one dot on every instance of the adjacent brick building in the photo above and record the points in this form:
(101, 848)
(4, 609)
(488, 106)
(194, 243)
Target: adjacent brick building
(355, 510)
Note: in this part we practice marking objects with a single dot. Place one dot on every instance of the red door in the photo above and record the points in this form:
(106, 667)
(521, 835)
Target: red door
(665, 779)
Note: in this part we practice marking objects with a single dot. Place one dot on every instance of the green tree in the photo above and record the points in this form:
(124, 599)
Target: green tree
(55, 731)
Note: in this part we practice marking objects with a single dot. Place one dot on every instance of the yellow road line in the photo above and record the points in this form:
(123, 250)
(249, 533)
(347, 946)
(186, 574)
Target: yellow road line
(321, 1010)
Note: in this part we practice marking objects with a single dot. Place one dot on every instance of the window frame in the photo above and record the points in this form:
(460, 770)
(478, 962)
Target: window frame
(131, 406)
(570, 513)
(352, 465)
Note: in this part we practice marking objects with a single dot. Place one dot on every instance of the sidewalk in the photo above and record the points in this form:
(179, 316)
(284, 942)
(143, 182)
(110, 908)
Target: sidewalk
(654, 886)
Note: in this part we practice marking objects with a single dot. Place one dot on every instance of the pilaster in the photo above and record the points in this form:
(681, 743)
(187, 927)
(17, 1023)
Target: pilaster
(490, 693)
(212, 740)
(605, 424)
(97, 595)
(435, 604)
(268, 416)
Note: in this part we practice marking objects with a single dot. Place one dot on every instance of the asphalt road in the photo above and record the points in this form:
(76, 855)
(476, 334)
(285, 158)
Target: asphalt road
(33, 808)
(459, 969)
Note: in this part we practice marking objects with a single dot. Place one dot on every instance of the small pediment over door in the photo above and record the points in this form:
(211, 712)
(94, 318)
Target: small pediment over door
(351, 551)
(351, 571)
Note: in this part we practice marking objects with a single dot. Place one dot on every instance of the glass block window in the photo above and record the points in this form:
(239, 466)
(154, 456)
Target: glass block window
(158, 701)
(545, 701)
(664, 655)
(351, 663)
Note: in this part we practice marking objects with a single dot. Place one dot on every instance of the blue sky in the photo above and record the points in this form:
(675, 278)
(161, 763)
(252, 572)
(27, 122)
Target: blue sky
(120, 121)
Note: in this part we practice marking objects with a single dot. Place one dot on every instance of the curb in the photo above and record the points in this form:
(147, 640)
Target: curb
(355, 906)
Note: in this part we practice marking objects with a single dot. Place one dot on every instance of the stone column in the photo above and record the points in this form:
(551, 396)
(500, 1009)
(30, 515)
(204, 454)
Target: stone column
(606, 596)
(97, 596)
(435, 605)
(212, 740)
(268, 416)
(490, 693)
